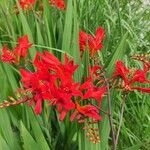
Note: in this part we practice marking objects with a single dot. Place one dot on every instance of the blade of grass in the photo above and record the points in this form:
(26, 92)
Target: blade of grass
(68, 28)
(28, 141)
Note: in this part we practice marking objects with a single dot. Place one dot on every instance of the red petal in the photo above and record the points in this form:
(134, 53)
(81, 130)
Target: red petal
(99, 36)
(146, 90)
(86, 85)
(62, 115)
(83, 37)
(89, 111)
(139, 76)
(73, 115)
(38, 107)
(22, 47)
(122, 71)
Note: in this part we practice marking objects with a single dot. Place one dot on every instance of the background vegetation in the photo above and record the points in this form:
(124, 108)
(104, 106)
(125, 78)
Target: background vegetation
(127, 29)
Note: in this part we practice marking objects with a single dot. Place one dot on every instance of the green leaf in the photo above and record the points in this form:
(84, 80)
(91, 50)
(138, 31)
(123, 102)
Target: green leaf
(135, 147)
(7, 131)
(28, 141)
(118, 54)
(68, 28)
(39, 136)
(3, 144)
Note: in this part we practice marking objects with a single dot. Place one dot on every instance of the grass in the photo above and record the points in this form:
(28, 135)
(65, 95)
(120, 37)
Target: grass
(126, 26)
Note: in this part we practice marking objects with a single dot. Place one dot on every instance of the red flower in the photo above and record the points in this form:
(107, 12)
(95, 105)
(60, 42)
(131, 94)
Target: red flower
(37, 87)
(19, 51)
(52, 81)
(67, 70)
(62, 97)
(139, 76)
(83, 40)
(121, 71)
(92, 91)
(94, 72)
(7, 55)
(63, 94)
(22, 47)
(94, 43)
(62, 71)
(60, 4)
(131, 76)
(86, 111)
(26, 4)
(47, 59)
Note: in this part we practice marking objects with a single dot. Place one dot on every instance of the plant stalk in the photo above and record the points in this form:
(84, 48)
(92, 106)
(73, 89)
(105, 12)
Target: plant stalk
(120, 123)
(110, 110)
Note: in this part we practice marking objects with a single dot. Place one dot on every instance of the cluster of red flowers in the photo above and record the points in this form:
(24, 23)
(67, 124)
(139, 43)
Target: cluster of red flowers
(29, 4)
(20, 51)
(131, 77)
(93, 43)
(26, 4)
(53, 81)
(60, 4)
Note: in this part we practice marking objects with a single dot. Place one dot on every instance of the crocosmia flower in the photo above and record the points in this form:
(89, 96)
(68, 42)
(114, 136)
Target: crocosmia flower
(131, 77)
(38, 88)
(7, 55)
(53, 81)
(89, 111)
(60, 4)
(20, 51)
(94, 43)
(22, 47)
(26, 4)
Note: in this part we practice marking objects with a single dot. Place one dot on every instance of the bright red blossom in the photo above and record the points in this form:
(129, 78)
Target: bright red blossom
(53, 81)
(131, 77)
(7, 55)
(62, 99)
(89, 111)
(94, 43)
(37, 87)
(92, 91)
(121, 70)
(22, 47)
(13, 56)
(26, 4)
(60, 4)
